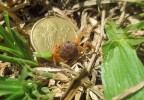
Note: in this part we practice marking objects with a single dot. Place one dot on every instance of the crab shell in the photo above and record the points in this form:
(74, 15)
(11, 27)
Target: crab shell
(68, 50)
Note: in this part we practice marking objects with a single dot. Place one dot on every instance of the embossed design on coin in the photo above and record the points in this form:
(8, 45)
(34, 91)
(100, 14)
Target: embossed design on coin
(49, 31)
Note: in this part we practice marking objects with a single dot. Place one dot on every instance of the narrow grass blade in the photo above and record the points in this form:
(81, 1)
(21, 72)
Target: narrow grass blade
(23, 46)
(15, 41)
(18, 60)
(9, 41)
(16, 96)
(10, 86)
(136, 26)
(9, 50)
(7, 22)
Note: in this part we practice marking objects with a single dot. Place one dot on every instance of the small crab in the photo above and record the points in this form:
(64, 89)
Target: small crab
(69, 49)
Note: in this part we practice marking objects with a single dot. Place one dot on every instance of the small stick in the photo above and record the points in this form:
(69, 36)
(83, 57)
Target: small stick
(123, 13)
(99, 42)
(11, 14)
(20, 6)
(74, 85)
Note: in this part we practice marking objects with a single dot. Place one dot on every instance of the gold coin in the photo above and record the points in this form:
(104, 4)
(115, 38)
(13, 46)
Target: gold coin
(50, 31)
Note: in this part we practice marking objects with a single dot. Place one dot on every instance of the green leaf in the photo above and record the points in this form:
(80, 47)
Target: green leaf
(121, 67)
(137, 3)
(16, 96)
(18, 60)
(25, 72)
(23, 88)
(48, 75)
(9, 50)
(23, 46)
(7, 21)
(45, 89)
(16, 45)
(137, 26)
(15, 41)
(10, 86)
(9, 41)
(44, 54)
(113, 30)
(135, 41)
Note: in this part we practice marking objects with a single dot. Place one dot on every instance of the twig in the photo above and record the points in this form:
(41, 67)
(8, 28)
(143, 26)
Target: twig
(99, 42)
(122, 14)
(129, 91)
(89, 3)
(11, 14)
(94, 75)
(20, 6)
(68, 69)
(97, 91)
(74, 85)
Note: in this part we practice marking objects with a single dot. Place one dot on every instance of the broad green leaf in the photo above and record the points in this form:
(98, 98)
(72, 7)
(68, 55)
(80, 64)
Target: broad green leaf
(135, 41)
(114, 31)
(121, 67)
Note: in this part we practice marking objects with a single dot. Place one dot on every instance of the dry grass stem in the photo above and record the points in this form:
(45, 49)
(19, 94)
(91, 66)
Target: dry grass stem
(123, 13)
(11, 14)
(129, 91)
(99, 42)
(20, 6)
